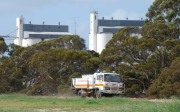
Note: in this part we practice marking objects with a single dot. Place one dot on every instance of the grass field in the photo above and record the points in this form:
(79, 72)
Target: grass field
(23, 103)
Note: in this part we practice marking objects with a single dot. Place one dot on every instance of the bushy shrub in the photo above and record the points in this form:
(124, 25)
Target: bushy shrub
(133, 91)
(167, 84)
(45, 87)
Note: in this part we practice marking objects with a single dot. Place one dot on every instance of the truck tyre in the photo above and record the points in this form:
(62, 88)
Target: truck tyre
(79, 93)
(97, 94)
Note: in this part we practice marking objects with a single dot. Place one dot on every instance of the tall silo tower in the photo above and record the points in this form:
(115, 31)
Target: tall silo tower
(93, 31)
(19, 31)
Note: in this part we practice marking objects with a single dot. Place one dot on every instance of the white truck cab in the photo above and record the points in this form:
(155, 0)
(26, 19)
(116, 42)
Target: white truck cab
(98, 84)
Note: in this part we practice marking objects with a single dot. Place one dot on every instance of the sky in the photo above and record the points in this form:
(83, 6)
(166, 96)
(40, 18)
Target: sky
(68, 12)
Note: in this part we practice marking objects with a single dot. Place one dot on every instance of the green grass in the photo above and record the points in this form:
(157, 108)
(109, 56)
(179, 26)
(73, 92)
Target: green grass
(23, 103)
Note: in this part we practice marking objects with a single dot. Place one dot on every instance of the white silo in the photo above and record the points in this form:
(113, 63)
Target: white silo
(93, 31)
(30, 41)
(102, 40)
(19, 31)
(16, 41)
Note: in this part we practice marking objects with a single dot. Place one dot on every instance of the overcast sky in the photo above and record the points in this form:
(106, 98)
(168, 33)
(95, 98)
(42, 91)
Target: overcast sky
(67, 12)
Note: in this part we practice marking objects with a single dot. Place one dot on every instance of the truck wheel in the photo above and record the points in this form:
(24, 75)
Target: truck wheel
(79, 93)
(97, 94)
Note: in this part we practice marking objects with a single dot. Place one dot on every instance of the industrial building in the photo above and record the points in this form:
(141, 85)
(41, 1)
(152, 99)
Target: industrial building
(29, 34)
(102, 30)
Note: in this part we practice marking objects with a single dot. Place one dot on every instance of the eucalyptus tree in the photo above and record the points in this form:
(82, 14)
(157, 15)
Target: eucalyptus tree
(3, 46)
(65, 42)
(165, 10)
(50, 69)
(166, 85)
(44, 67)
(49, 64)
(144, 57)
(125, 51)
(166, 49)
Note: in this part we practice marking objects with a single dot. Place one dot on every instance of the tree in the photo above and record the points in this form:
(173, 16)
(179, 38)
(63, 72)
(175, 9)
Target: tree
(165, 10)
(165, 47)
(50, 69)
(10, 77)
(46, 65)
(113, 54)
(4, 76)
(144, 57)
(65, 42)
(15, 50)
(41, 68)
(124, 52)
(91, 65)
(3, 46)
(163, 25)
(160, 31)
(167, 84)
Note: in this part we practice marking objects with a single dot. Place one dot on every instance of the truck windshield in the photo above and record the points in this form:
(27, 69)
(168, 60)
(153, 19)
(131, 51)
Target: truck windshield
(112, 78)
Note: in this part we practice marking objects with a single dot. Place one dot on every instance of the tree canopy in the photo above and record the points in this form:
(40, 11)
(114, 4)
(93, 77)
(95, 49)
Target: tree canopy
(167, 84)
(142, 58)
(165, 10)
(44, 67)
(148, 61)
(3, 46)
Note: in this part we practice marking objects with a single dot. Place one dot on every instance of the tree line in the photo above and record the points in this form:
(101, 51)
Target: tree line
(148, 63)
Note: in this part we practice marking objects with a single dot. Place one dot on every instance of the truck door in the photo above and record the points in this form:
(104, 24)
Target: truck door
(99, 82)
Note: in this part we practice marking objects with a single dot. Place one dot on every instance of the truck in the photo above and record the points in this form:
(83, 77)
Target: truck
(98, 84)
